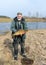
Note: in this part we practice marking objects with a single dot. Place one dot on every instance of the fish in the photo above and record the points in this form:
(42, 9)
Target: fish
(20, 32)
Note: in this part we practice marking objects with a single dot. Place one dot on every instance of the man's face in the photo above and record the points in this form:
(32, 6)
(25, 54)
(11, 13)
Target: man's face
(19, 17)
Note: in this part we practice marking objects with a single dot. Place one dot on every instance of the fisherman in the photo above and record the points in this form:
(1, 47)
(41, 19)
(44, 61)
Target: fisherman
(17, 24)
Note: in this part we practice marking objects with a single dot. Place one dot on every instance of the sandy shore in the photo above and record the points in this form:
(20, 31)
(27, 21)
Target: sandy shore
(35, 47)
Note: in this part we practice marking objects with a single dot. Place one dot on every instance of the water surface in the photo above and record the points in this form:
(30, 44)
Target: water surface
(5, 26)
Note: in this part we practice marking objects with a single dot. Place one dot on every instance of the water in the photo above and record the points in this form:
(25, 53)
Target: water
(36, 25)
(4, 27)
(31, 25)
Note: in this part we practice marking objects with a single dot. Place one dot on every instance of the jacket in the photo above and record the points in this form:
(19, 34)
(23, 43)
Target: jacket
(16, 25)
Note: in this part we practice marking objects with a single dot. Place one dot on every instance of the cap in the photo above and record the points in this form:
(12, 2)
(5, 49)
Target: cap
(19, 13)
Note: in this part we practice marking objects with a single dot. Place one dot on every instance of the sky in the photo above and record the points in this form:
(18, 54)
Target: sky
(27, 7)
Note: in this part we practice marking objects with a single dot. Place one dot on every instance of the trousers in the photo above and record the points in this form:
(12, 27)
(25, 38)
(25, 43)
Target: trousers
(19, 40)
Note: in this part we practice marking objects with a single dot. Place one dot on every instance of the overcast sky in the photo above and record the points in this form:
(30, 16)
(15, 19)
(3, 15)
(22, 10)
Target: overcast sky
(11, 7)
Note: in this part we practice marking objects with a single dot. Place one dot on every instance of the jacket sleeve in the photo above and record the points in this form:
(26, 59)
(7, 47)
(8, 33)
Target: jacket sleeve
(25, 25)
(13, 26)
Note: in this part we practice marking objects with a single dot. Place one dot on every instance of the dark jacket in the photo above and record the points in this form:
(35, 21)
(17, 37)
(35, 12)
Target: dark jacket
(16, 25)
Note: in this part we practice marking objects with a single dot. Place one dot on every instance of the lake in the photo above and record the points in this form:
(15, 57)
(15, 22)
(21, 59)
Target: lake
(5, 26)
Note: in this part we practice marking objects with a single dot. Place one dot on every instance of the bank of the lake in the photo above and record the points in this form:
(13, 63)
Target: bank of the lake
(35, 47)
(26, 18)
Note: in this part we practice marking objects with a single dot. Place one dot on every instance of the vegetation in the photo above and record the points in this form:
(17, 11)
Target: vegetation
(34, 19)
(28, 19)
(5, 19)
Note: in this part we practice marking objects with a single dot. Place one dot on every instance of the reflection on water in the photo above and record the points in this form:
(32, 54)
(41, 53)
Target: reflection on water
(31, 25)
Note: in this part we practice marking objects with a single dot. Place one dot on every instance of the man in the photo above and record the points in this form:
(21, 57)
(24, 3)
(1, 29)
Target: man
(17, 24)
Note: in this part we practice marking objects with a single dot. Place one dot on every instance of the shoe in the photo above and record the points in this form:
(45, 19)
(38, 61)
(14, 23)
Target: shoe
(24, 55)
(15, 58)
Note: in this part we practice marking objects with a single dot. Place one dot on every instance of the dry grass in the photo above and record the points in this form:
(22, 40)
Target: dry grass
(27, 19)
(35, 20)
(35, 46)
(5, 20)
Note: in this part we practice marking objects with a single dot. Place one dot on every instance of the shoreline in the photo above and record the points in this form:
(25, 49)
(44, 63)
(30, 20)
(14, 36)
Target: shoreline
(26, 19)
(35, 47)
(6, 32)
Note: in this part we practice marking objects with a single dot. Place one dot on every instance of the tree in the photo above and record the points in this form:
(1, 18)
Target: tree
(37, 14)
(29, 14)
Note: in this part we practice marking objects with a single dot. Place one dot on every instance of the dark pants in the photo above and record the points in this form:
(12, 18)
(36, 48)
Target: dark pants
(19, 40)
